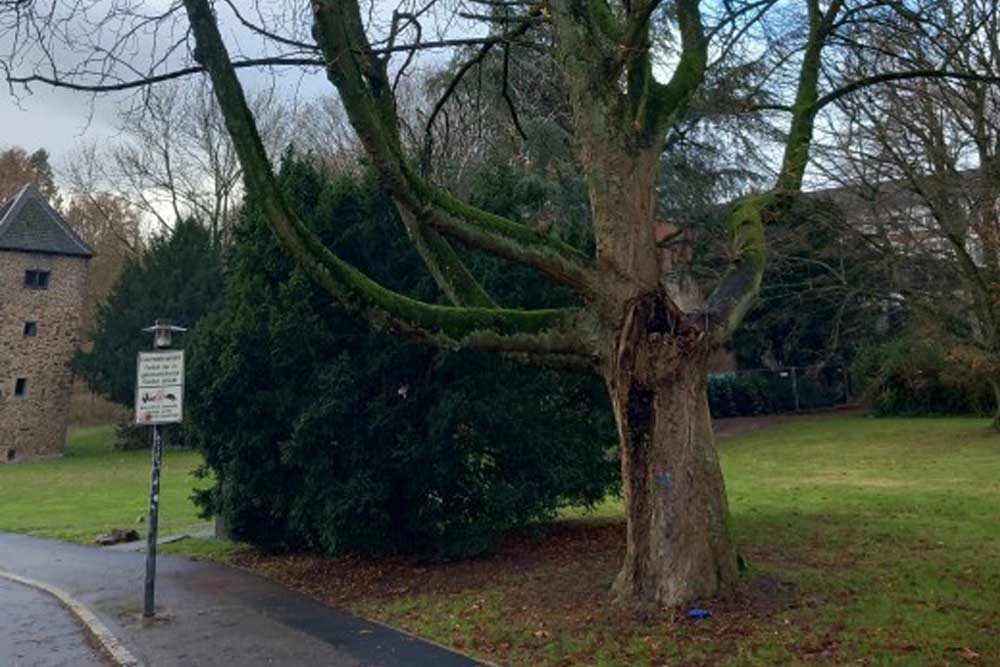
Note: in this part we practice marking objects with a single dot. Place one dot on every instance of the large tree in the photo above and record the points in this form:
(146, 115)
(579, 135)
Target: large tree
(627, 326)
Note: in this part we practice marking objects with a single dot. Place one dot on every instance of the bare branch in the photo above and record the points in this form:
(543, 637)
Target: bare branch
(59, 82)
(267, 33)
(887, 77)
(519, 29)
(505, 87)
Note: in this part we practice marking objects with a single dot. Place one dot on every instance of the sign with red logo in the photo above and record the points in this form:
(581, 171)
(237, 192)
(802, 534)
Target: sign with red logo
(159, 388)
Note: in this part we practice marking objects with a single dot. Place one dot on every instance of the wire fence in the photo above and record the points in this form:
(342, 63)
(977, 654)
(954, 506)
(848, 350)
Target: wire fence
(762, 391)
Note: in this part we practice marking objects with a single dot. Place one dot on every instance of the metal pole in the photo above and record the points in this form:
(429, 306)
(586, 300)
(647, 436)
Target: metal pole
(149, 606)
(795, 389)
(162, 331)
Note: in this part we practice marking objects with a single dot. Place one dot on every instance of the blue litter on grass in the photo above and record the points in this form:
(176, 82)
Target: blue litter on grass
(697, 613)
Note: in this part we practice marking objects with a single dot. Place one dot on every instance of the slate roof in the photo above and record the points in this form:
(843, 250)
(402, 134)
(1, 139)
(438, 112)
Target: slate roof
(899, 193)
(29, 224)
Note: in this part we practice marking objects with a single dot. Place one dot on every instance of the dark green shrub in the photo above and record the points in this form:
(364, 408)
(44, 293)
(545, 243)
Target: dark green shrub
(130, 437)
(325, 434)
(739, 395)
(769, 392)
(913, 375)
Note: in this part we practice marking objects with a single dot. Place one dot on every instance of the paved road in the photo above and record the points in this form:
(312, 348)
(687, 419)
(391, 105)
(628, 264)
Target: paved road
(36, 631)
(213, 615)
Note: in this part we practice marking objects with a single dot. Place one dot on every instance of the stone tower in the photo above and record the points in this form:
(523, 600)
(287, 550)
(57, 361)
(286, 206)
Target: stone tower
(43, 278)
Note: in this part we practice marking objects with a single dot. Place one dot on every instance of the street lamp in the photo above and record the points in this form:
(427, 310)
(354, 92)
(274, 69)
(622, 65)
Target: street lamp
(163, 331)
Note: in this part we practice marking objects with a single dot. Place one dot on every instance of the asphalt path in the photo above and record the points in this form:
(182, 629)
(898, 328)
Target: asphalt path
(37, 631)
(208, 614)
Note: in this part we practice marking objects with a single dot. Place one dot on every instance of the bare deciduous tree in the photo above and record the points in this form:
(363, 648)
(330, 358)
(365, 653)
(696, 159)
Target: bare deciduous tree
(175, 158)
(921, 161)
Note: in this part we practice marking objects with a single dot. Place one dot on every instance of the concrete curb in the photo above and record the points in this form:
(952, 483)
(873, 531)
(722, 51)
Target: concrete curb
(121, 656)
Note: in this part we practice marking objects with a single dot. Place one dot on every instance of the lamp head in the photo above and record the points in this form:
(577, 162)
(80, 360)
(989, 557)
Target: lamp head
(163, 331)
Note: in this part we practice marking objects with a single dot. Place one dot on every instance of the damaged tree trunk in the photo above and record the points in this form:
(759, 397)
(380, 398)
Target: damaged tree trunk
(679, 548)
(655, 368)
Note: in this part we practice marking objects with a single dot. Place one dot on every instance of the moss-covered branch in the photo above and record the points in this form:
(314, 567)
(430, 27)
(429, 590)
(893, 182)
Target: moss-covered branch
(538, 332)
(366, 95)
(603, 19)
(740, 285)
(732, 298)
(375, 112)
(503, 237)
(444, 264)
(804, 110)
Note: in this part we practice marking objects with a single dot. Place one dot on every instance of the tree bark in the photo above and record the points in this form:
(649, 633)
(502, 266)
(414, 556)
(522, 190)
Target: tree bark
(623, 197)
(995, 386)
(679, 548)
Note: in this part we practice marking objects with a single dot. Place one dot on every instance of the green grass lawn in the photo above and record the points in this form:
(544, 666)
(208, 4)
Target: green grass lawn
(869, 541)
(892, 525)
(888, 530)
(94, 488)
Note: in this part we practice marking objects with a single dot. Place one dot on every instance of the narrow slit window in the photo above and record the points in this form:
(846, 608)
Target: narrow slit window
(30, 329)
(20, 386)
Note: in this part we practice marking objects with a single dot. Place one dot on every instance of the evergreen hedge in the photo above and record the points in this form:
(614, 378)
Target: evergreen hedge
(324, 434)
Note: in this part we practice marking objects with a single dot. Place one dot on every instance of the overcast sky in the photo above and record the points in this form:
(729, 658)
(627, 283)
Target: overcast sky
(60, 120)
(56, 120)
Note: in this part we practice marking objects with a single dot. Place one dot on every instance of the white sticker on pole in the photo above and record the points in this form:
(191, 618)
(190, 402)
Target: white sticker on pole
(159, 388)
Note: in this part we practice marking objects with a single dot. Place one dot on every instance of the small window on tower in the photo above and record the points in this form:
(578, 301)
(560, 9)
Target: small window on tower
(31, 328)
(34, 279)
(20, 386)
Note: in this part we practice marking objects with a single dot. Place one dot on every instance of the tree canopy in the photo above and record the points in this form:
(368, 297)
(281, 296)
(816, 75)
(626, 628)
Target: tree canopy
(19, 168)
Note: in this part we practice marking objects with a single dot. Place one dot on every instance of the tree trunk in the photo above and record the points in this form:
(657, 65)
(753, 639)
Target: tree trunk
(679, 548)
(995, 385)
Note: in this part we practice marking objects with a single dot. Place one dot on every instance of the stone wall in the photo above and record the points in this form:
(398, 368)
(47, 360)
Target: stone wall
(33, 425)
